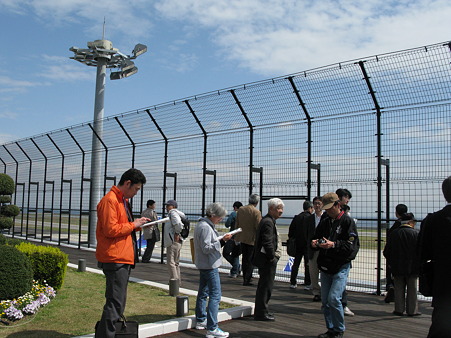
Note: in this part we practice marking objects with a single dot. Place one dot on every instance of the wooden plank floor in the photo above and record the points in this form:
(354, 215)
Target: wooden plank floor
(296, 314)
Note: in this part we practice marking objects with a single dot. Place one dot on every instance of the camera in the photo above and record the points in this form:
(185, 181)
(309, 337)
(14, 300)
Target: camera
(320, 241)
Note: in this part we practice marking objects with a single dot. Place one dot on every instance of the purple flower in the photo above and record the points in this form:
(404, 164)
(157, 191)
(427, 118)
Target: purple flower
(13, 314)
(31, 308)
(43, 299)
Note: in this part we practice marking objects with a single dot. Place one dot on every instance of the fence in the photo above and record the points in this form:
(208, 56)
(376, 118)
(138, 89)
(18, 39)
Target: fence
(379, 127)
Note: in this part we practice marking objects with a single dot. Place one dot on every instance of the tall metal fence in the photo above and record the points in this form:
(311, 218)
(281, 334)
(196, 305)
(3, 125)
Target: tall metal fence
(379, 126)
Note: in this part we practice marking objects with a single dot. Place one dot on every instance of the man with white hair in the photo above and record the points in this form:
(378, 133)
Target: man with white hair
(267, 251)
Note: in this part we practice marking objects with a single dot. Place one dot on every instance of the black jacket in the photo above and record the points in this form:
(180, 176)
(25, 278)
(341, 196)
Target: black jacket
(343, 232)
(266, 237)
(401, 251)
(433, 244)
(298, 230)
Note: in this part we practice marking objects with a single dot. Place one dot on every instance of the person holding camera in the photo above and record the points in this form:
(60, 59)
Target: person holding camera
(337, 240)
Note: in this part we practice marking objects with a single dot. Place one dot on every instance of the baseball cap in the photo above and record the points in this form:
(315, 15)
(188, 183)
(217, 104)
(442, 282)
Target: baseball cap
(172, 202)
(329, 199)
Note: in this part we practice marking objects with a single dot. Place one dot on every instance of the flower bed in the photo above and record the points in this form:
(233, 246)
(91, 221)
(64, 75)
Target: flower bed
(28, 304)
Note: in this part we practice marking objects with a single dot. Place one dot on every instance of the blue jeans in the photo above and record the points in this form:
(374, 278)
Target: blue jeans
(332, 287)
(209, 286)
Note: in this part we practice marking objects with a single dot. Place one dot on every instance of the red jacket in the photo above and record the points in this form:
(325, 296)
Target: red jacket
(114, 242)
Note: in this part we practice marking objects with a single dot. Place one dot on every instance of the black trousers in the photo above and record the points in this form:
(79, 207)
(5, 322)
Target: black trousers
(117, 276)
(441, 323)
(246, 262)
(295, 268)
(264, 288)
(149, 249)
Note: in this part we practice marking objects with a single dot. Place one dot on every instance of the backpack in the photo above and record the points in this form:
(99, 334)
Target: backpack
(185, 230)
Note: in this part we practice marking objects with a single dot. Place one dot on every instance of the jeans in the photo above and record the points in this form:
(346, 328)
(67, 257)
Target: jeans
(209, 286)
(235, 263)
(332, 287)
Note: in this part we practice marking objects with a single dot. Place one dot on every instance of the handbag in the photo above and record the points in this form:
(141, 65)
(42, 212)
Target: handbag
(291, 247)
(426, 279)
(125, 328)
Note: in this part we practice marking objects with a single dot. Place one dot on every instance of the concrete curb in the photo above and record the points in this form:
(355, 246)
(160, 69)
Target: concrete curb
(242, 309)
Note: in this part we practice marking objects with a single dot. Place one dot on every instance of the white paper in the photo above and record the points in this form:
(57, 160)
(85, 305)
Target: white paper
(166, 219)
(231, 233)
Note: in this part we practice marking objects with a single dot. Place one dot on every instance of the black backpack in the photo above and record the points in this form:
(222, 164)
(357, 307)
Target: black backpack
(185, 230)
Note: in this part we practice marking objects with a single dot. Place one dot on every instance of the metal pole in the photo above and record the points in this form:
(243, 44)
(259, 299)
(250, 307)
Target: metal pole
(95, 186)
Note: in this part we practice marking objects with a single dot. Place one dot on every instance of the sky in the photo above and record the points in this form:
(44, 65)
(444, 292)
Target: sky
(194, 47)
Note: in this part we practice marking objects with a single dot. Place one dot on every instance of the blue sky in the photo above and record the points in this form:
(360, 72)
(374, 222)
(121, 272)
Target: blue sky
(193, 47)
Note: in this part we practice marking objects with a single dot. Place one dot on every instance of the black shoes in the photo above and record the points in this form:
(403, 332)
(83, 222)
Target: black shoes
(265, 318)
(248, 284)
(316, 298)
(331, 334)
(396, 313)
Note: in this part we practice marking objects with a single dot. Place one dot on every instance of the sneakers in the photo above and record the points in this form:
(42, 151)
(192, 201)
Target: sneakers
(233, 275)
(216, 333)
(293, 286)
(201, 325)
(308, 287)
(347, 311)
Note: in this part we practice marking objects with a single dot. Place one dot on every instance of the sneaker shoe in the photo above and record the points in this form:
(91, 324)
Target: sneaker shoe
(233, 275)
(216, 333)
(308, 287)
(347, 311)
(293, 286)
(201, 325)
(327, 334)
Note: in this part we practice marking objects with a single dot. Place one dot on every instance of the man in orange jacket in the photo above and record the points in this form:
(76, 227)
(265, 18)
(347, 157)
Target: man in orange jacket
(116, 249)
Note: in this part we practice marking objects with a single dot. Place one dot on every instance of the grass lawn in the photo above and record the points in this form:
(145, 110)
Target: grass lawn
(78, 306)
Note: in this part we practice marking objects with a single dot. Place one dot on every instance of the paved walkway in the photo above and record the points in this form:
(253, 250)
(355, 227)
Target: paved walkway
(296, 314)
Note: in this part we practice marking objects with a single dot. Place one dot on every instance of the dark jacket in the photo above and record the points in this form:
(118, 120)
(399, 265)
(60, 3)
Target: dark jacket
(401, 251)
(298, 230)
(343, 232)
(310, 225)
(266, 237)
(433, 244)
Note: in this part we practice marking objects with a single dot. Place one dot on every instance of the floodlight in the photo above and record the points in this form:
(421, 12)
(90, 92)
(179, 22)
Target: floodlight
(139, 49)
(123, 73)
(127, 64)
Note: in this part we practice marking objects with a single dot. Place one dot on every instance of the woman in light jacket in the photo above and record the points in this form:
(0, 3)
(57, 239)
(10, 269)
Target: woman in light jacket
(207, 258)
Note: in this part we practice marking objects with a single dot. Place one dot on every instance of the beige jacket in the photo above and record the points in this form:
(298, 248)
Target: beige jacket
(247, 218)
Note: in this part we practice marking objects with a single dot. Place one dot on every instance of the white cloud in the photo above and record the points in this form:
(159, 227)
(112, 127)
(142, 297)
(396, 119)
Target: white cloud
(5, 138)
(64, 69)
(8, 115)
(278, 37)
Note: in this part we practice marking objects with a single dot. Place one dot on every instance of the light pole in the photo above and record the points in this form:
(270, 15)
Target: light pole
(101, 54)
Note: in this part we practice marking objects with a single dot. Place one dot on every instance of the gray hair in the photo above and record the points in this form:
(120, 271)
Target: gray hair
(254, 199)
(275, 202)
(216, 209)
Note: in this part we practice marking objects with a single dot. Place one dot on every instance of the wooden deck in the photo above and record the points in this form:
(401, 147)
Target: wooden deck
(296, 314)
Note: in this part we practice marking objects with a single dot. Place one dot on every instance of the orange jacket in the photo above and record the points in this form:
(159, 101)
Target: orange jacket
(114, 243)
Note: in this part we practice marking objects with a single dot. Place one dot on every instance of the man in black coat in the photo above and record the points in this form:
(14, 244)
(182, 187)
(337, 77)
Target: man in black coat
(298, 230)
(400, 210)
(434, 239)
(267, 251)
(402, 257)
